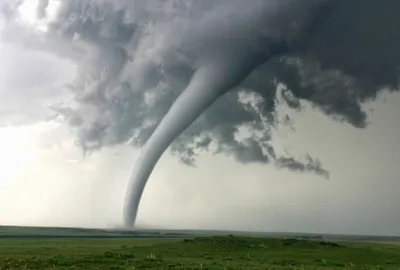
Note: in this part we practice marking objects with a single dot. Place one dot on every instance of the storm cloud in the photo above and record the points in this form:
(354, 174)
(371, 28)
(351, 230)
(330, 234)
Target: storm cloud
(134, 58)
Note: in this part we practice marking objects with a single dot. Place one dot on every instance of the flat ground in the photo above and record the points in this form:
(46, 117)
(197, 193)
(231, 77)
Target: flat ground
(219, 252)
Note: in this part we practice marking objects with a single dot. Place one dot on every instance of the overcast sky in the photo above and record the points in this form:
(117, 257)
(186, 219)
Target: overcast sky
(46, 180)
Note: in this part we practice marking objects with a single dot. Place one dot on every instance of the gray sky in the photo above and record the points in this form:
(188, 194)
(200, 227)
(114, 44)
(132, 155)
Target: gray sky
(45, 180)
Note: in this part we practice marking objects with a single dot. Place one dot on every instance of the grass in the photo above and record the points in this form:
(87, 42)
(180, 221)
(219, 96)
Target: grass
(222, 252)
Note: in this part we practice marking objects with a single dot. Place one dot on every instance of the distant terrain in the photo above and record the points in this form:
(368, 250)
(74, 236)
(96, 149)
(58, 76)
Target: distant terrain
(54, 232)
(75, 248)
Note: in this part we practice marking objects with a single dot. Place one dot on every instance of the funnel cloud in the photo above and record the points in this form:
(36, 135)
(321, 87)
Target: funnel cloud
(219, 68)
(193, 75)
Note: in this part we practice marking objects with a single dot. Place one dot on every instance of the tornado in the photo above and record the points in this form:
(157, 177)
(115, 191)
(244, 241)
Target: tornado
(205, 87)
(228, 51)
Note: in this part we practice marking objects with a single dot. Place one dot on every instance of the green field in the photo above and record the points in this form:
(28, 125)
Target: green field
(221, 252)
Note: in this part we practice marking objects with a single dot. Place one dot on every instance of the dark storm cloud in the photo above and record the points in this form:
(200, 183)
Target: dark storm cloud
(136, 57)
(312, 165)
(349, 61)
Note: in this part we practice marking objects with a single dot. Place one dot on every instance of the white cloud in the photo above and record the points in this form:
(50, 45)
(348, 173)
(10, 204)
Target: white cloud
(31, 82)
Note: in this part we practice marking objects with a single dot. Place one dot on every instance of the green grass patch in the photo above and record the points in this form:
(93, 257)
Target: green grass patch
(220, 252)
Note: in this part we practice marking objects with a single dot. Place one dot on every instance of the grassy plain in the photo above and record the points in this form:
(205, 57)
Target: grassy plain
(220, 252)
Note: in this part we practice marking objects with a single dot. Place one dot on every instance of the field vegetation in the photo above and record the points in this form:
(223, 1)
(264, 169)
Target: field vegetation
(220, 252)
